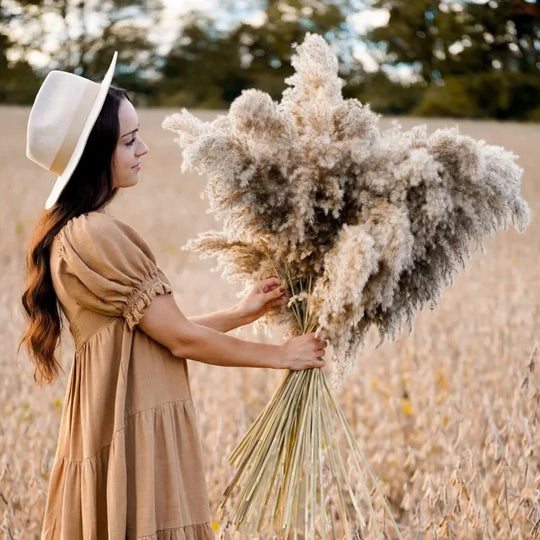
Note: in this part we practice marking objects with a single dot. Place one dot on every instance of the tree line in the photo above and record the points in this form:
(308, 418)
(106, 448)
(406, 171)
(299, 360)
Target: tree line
(463, 59)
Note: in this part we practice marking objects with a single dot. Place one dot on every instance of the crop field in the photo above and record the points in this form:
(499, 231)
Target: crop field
(447, 417)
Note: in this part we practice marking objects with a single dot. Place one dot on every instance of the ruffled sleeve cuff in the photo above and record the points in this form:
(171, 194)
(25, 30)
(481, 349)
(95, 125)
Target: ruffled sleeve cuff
(141, 298)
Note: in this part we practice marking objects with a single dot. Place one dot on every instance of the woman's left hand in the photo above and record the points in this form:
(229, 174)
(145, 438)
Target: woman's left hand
(263, 296)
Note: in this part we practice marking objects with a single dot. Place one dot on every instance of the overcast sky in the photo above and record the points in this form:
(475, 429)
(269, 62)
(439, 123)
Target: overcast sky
(360, 21)
(243, 10)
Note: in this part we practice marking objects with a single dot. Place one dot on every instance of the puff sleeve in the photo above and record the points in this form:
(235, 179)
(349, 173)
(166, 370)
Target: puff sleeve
(109, 268)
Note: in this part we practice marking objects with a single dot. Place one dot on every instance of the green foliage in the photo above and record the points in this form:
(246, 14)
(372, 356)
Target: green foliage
(534, 115)
(87, 45)
(384, 95)
(484, 95)
(442, 39)
(451, 99)
(202, 69)
(476, 60)
(209, 68)
(468, 59)
(19, 82)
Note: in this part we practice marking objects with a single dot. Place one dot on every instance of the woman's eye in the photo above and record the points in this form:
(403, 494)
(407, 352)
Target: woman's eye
(131, 142)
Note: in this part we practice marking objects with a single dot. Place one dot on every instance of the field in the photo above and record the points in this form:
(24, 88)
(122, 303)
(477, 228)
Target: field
(448, 417)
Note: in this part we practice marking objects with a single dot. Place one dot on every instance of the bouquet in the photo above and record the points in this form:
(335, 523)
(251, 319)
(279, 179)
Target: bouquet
(364, 227)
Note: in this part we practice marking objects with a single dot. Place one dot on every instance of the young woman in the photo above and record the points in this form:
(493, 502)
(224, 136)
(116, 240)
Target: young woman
(128, 460)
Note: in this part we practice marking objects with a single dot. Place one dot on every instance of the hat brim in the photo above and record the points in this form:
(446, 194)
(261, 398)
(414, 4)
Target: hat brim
(63, 179)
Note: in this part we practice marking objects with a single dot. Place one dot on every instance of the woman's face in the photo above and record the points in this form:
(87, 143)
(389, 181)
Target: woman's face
(129, 149)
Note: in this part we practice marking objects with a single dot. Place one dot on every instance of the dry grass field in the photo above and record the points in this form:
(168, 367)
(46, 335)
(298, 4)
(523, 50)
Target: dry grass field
(448, 417)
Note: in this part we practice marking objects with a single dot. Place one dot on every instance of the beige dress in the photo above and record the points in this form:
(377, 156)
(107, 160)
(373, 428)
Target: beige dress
(128, 462)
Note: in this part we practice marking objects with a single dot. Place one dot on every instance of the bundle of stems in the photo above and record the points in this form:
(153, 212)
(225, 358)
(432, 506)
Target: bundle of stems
(374, 221)
(291, 474)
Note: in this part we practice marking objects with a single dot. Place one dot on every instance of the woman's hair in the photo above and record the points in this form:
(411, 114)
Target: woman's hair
(90, 187)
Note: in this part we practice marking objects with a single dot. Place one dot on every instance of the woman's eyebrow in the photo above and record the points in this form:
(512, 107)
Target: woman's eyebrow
(130, 132)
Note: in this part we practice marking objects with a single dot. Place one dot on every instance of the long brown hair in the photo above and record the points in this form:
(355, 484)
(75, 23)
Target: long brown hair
(89, 188)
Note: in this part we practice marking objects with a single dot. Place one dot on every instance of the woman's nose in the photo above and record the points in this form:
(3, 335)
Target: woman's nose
(143, 149)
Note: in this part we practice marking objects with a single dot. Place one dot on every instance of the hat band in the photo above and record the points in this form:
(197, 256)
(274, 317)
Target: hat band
(75, 128)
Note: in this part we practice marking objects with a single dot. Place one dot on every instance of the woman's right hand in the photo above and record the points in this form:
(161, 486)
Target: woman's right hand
(303, 352)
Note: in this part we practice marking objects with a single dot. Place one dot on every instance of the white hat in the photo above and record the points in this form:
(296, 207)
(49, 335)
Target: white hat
(64, 112)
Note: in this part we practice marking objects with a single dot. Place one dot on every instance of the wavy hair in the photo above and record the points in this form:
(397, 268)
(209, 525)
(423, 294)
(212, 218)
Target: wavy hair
(89, 188)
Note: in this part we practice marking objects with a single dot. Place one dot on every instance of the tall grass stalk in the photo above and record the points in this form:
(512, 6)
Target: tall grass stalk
(290, 466)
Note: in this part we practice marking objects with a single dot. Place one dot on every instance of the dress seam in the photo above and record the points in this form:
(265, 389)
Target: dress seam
(132, 415)
(98, 330)
(174, 528)
(155, 407)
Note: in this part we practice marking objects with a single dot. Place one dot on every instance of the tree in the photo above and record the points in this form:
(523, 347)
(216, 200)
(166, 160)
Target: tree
(19, 82)
(210, 67)
(473, 59)
(88, 32)
(202, 68)
(461, 37)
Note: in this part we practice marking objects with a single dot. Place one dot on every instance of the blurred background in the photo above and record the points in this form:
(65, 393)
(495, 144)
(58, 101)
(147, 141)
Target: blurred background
(447, 416)
(476, 59)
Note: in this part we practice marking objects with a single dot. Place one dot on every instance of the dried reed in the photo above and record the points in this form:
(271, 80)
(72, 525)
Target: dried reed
(373, 223)
(290, 454)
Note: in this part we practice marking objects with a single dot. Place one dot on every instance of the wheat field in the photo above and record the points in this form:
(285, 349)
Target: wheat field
(447, 417)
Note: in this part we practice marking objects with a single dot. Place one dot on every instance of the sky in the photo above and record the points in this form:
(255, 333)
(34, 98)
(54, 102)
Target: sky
(360, 21)
(225, 17)
(249, 11)
(220, 11)
(245, 10)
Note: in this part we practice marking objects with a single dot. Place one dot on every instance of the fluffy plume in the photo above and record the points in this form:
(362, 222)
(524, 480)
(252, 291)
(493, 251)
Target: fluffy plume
(363, 227)
(381, 221)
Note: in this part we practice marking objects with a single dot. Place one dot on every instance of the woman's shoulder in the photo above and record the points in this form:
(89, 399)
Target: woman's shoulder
(90, 229)
(93, 219)
(96, 222)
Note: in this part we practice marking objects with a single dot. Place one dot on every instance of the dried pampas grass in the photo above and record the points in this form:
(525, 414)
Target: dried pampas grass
(376, 222)
(315, 178)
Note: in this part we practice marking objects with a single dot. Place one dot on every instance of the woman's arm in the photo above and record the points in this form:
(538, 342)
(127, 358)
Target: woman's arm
(164, 322)
(262, 296)
(223, 320)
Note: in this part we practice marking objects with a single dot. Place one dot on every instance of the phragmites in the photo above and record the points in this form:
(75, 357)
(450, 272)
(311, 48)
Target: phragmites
(364, 228)
(379, 219)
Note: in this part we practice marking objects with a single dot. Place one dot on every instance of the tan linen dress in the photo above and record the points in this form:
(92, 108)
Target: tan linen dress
(128, 462)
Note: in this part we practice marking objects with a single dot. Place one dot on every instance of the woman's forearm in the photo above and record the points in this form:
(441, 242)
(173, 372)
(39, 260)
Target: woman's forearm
(223, 320)
(211, 347)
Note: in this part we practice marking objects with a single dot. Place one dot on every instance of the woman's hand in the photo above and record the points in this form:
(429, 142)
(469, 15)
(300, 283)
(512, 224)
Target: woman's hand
(304, 352)
(263, 296)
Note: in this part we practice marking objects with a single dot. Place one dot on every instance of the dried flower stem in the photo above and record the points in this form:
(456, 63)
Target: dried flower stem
(292, 449)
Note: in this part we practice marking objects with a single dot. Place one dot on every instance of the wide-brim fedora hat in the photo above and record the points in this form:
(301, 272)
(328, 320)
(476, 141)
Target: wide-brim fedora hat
(63, 114)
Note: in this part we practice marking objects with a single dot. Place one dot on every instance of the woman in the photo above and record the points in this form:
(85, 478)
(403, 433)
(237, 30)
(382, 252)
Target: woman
(128, 461)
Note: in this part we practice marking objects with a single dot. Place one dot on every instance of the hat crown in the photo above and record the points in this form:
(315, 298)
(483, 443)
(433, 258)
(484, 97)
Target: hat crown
(57, 118)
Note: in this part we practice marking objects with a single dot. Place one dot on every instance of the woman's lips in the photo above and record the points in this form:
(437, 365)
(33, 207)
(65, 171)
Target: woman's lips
(137, 167)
